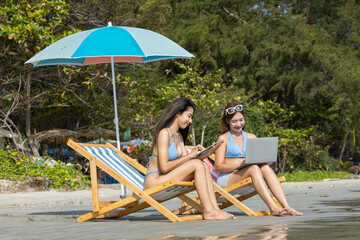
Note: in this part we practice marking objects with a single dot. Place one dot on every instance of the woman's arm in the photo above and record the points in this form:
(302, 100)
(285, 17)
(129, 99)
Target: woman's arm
(220, 154)
(220, 164)
(165, 165)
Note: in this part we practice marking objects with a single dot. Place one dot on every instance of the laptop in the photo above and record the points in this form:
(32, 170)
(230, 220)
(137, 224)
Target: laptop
(261, 151)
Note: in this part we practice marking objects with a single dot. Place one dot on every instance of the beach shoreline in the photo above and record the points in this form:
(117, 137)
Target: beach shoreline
(52, 214)
(38, 196)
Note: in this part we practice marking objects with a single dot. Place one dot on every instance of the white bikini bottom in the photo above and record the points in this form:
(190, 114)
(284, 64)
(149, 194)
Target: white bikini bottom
(222, 179)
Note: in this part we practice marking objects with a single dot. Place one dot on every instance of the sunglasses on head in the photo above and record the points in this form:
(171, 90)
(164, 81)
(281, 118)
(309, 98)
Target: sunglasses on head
(231, 110)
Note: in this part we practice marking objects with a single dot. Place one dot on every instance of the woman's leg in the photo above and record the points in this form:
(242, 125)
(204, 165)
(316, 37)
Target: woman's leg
(212, 191)
(275, 187)
(211, 186)
(193, 169)
(210, 195)
(260, 186)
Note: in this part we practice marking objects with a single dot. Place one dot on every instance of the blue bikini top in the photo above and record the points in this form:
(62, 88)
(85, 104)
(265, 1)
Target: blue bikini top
(172, 151)
(173, 154)
(232, 149)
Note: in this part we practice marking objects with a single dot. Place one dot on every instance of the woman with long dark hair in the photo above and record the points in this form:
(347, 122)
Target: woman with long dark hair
(170, 160)
(231, 154)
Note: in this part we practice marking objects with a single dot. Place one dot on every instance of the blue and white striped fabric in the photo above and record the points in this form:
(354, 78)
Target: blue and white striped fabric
(111, 159)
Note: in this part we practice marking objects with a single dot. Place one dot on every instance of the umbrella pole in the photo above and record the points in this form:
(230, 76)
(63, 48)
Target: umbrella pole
(116, 119)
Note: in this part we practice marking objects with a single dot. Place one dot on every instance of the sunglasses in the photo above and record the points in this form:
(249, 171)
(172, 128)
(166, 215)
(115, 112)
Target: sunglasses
(231, 110)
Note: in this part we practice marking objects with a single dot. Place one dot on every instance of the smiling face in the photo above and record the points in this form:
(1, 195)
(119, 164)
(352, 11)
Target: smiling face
(185, 118)
(236, 123)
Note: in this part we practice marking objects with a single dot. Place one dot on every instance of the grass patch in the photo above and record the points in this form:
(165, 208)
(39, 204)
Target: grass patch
(314, 176)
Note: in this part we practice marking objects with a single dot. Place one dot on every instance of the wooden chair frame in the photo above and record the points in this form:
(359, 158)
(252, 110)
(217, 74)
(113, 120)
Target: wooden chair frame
(229, 198)
(132, 203)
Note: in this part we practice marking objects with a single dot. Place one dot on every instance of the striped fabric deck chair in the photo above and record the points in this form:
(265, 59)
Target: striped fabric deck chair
(130, 173)
(226, 196)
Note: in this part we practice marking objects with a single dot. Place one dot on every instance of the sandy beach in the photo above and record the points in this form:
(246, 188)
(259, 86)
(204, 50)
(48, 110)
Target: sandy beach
(52, 215)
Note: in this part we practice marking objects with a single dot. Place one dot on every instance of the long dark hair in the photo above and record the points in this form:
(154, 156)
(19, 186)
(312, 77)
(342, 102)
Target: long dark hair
(179, 105)
(227, 117)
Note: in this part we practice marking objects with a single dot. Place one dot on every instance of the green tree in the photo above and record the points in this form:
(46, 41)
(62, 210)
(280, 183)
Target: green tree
(302, 54)
(26, 27)
(208, 91)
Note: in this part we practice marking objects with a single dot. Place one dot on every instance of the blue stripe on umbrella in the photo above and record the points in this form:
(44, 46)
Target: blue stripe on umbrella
(109, 41)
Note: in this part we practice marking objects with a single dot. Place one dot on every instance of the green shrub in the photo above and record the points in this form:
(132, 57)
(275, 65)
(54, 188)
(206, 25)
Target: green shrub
(18, 166)
(297, 148)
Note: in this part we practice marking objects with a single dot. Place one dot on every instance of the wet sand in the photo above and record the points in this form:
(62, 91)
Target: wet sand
(52, 215)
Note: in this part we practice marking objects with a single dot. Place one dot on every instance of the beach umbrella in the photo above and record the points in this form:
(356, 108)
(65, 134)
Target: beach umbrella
(109, 45)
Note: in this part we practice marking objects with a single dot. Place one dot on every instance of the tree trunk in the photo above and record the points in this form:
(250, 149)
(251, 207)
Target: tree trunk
(203, 133)
(343, 147)
(193, 135)
(28, 112)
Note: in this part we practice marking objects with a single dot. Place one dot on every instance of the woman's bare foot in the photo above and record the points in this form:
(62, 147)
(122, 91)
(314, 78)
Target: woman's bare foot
(293, 212)
(218, 215)
(279, 211)
(231, 216)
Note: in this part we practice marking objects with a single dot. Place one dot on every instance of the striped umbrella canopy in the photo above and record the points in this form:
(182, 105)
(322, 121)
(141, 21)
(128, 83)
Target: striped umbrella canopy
(110, 44)
(124, 44)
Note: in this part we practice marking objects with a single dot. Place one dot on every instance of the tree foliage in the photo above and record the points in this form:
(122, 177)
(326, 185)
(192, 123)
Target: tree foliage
(293, 64)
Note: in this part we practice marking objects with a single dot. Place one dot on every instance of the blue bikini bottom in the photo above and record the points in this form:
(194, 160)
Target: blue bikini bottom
(151, 171)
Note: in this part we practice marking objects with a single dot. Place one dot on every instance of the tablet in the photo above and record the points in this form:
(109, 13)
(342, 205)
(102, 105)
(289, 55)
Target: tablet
(208, 149)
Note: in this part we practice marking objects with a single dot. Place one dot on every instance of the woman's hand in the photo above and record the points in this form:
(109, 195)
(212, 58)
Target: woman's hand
(194, 151)
(210, 150)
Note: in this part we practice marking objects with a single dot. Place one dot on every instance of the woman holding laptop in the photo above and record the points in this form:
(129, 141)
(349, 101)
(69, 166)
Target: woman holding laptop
(230, 156)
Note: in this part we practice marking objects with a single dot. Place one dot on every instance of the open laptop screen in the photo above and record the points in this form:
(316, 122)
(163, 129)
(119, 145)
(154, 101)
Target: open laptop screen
(261, 150)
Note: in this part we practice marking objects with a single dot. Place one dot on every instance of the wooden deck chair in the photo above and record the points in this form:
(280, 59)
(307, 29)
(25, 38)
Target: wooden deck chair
(226, 196)
(120, 167)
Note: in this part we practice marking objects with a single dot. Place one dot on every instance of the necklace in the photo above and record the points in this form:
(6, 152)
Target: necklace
(173, 134)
